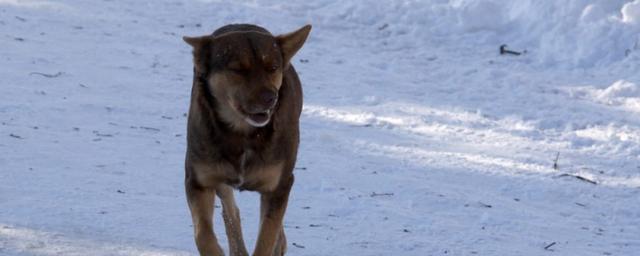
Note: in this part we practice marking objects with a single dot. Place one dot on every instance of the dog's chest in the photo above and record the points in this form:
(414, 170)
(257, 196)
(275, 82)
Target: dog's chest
(254, 169)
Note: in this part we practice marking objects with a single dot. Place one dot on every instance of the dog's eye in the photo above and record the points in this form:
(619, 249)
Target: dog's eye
(273, 68)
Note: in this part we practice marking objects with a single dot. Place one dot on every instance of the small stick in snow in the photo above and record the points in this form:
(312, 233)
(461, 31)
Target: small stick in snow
(47, 75)
(549, 246)
(485, 205)
(15, 136)
(555, 162)
(299, 246)
(579, 177)
(585, 179)
(374, 194)
(503, 51)
(149, 128)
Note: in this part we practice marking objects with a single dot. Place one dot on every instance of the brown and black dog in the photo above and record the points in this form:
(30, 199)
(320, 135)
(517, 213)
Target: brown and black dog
(242, 132)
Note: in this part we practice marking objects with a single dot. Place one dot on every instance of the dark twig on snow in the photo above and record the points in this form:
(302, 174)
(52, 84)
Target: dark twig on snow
(503, 51)
(548, 247)
(47, 75)
(298, 245)
(374, 194)
(149, 128)
(579, 177)
(555, 162)
(485, 205)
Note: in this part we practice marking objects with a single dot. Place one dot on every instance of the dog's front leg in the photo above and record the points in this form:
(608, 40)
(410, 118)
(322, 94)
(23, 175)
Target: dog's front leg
(201, 201)
(272, 208)
(281, 243)
(231, 216)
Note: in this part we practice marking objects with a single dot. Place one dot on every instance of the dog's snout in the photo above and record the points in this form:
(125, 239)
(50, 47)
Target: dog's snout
(268, 97)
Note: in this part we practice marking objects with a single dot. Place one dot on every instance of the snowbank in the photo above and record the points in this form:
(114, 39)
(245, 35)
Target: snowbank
(621, 93)
(618, 92)
(631, 12)
(578, 33)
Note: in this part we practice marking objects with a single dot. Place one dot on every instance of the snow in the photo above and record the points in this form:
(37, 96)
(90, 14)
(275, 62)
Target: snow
(631, 12)
(418, 138)
(482, 15)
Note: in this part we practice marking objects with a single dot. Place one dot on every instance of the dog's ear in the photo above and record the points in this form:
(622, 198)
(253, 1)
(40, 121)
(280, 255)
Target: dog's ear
(195, 42)
(200, 48)
(290, 43)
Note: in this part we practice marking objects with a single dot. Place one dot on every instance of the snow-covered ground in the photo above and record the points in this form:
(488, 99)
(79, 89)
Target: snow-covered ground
(418, 138)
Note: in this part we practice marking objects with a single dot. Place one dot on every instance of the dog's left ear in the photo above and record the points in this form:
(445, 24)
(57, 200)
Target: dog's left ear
(290, 43)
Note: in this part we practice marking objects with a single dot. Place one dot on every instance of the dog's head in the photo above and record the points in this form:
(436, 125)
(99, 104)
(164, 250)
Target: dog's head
(245, 71)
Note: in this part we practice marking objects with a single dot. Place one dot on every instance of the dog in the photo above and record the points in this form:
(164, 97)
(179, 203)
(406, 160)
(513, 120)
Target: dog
(242, 132)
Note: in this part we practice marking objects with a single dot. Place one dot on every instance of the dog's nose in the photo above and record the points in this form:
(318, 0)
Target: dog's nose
(268, 97)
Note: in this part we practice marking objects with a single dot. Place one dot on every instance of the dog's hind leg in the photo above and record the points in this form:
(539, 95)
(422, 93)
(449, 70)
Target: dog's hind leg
(231, 216)
(201, 202)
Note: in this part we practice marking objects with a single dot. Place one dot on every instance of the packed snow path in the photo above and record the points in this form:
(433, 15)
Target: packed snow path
(418, 138)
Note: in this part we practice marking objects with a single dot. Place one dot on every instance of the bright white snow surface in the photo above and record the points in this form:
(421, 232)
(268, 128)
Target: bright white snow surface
(418, 138)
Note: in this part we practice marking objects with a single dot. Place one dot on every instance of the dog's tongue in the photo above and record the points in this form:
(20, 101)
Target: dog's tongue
(259, 118)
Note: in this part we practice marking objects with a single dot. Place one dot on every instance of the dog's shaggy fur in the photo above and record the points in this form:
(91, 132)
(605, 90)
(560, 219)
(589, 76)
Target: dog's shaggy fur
(243, 132)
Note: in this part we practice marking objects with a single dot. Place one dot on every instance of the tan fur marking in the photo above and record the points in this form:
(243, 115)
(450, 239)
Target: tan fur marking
(201, 206)
(266, 178)
(224, 88)
(211, 174)
(281, 244)
(276, 80)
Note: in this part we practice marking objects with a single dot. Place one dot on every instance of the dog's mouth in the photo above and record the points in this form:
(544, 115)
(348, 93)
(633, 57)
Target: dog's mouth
(258, 119)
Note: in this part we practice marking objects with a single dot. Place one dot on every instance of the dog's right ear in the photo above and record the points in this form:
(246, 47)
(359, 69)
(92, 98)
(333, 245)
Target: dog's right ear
(199, 45)
(196, 42)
